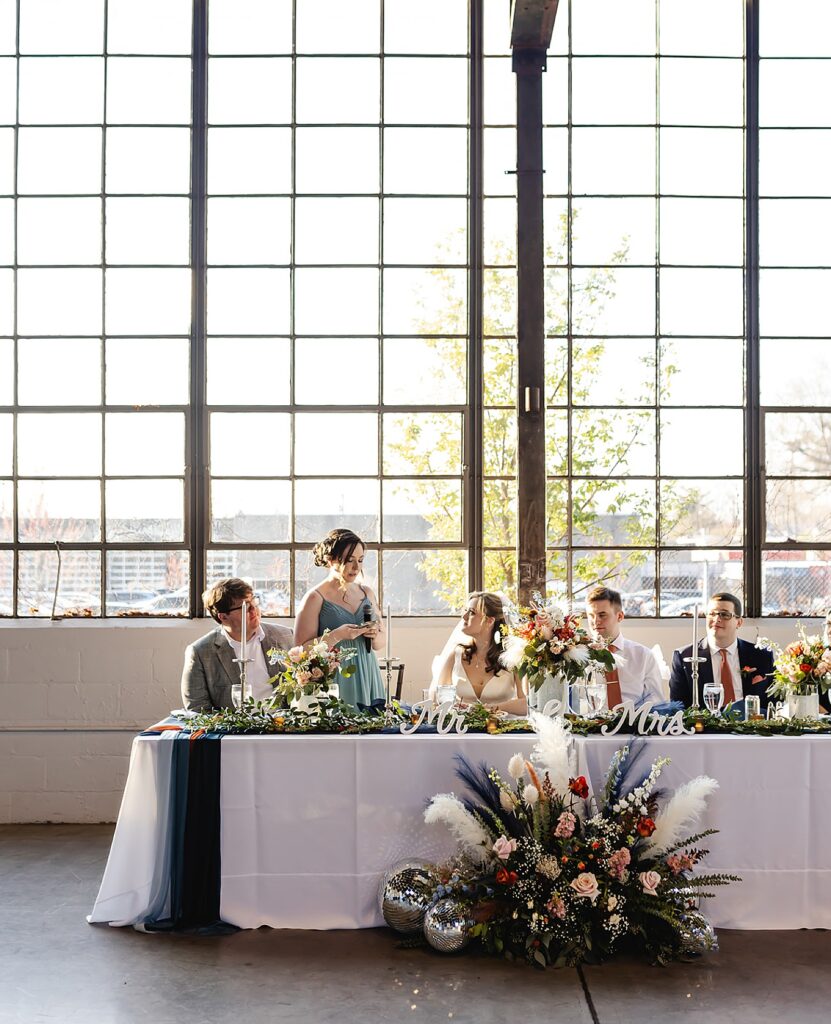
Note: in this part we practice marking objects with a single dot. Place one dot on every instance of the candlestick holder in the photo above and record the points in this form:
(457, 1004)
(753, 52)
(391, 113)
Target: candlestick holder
(242, 660)
(694, 661)
(389, 664)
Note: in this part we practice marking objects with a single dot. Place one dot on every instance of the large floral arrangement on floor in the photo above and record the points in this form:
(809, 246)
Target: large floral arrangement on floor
(308, 670)
(802, 668)
(546, 874)
(545, 640)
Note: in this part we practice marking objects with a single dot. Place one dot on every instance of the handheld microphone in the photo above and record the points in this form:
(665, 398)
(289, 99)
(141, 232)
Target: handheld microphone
(367, 620)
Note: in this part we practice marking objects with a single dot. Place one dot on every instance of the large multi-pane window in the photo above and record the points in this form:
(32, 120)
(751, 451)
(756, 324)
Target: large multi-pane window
(258, 279)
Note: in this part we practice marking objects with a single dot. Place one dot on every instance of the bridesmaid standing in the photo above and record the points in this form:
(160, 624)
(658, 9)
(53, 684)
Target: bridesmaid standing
(342, 604)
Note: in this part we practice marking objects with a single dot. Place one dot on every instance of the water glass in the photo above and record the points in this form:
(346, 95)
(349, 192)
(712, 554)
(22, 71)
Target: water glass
(446, 693)
(578, 700)
(713, 694)
(236, 695)
(596, 697)
(752, 708)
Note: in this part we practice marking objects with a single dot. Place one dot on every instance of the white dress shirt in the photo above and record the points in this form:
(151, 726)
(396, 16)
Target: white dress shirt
(732, 661)
(257, 675)
(639, 675)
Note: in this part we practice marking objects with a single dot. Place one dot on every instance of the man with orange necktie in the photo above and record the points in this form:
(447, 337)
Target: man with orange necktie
(739, 666)
(637, 677)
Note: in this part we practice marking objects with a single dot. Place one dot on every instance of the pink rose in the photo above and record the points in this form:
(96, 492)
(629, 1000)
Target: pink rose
(296, 654)
(504, 847)
(316, 673)
(585, 884)
(650, 880)
(565, 825)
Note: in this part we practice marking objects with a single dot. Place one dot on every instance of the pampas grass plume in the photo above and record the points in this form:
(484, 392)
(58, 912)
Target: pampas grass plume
(680, 812)
(475, 840)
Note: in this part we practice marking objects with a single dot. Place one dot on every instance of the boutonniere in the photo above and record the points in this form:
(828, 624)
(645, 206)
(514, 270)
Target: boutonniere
(752, 670)
(273, 655)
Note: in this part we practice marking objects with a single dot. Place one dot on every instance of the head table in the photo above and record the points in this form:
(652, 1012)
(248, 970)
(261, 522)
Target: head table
(303, 826)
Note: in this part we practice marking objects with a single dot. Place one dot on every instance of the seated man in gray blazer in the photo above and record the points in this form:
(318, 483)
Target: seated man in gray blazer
(210, 669)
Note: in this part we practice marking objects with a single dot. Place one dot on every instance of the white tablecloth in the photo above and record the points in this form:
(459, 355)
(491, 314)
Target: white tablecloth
(310, 823)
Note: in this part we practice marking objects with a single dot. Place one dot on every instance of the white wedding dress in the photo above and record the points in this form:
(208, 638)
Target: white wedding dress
(496, 690)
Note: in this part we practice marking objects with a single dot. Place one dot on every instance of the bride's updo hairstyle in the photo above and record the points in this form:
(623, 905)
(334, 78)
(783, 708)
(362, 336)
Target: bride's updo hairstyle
(336, 546)
(490, 605)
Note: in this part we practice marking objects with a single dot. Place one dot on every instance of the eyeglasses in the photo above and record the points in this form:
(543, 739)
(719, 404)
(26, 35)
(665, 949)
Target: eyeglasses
(722, 615)
(251, 602)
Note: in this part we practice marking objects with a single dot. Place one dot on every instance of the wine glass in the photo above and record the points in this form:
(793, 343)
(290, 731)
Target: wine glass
(713, 694)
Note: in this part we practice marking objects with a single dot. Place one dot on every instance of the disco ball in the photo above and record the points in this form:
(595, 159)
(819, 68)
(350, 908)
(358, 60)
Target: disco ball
(447, 926)
(405, 894)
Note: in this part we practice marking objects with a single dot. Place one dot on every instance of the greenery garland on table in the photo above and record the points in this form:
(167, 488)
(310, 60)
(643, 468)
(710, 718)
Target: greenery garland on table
(546, 874)
(260, 717)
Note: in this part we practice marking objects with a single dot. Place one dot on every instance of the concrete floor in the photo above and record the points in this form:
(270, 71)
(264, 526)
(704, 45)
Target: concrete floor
(56, 967)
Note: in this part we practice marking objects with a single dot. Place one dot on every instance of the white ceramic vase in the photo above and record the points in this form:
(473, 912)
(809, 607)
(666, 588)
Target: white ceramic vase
(803, 705)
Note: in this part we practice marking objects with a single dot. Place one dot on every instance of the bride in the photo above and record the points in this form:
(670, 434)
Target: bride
(473, 663)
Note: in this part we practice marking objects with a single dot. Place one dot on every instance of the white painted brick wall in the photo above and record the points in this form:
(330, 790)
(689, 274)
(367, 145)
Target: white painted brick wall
(73, 694)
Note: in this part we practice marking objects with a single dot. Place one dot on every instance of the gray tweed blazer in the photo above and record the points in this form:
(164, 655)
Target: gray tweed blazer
(210, 670)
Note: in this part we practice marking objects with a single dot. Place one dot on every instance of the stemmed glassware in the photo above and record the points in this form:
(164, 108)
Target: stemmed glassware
(713, 694)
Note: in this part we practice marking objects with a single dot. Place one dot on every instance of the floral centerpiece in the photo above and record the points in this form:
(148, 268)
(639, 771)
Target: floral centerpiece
(308, 671)
(544, 873)
(544, 640)
(802, 669)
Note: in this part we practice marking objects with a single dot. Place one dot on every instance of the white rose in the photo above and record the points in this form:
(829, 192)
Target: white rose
(650, 880)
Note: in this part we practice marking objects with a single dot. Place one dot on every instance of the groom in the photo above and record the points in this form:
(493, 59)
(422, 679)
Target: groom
(739, 666)
(210, 669)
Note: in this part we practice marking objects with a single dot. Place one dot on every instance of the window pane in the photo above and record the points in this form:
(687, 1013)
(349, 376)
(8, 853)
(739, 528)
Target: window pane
(500, 90)
(74, 371)
(356, 100)
(555, 84)
(249, 91)
(499, 513)
(499, 301)
(8, 85)
(148, 90)
(65, 510)
(609, 511)
(499, 571)
(499, 158)
(59, 444)
(626, 305)
(7, 301)
(556, 444)
(791, 91)
(710, 27)
(322, 505)
(618, 371)
(416, 510)
(238, 441)
(557, 516)
(148, 230)
(702, 512)
(796, 586)
(145, 510)
(689, 577)
(701, 301)
(792, 302)
(339, 160)
(132, 371)
(792, 163)
(422, 444)
(613, 91)
(410, 28)
(427, 231)
(687, 371)
(51, 26)
(351, 305)
(702, 231)
(58, 231)
(613, 160)
(134, 28)
(430, 90)
(7, 176)
(80, 584)
(250, 26)
(315, 433)
(499, 231)
(417, 370)
(6, 375)
(147, 160)
(144, 444)
(798, 444)
(247, 511)
(7, 240)
(249, 160)
(148, 582)
(605, 26)
(702, 161)
(61, 90)
(705, 442)
(6, 444)
(267, 571)
(499, 442)
(801, 29)
(152, 301)
(630, 572)
(74, 305)
(336, 230)
(59, 160)
(706, 92)
(500, 367)
(424, 582)
(6, 535)
(784, 380)
(319, 359)
(425, 301)
(425, 160)
(612, 231)
(621, 444)
(249, 230)
(248, 371)
(338, 26)
(249, 301)
(794, 232)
